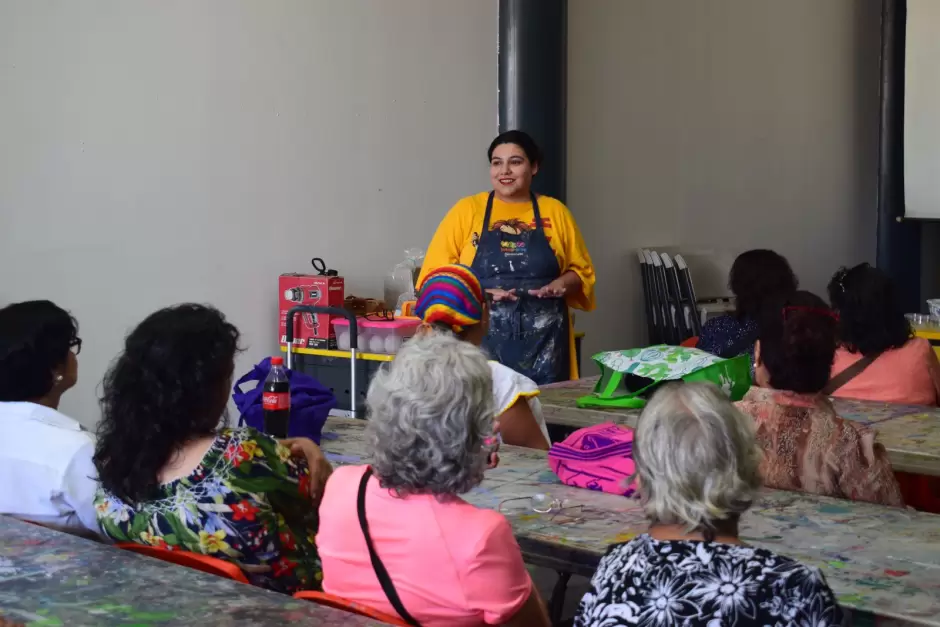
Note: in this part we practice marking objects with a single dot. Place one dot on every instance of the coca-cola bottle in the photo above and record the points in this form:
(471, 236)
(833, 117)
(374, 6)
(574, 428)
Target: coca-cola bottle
(276, 400)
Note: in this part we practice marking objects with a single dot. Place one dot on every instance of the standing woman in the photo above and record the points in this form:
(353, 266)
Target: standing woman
(530, 257)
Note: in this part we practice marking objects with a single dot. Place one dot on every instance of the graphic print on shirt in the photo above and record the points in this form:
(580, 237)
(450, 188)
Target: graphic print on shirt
(516, 226)
(513, 226)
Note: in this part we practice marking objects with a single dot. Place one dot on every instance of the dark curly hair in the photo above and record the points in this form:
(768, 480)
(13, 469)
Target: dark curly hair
(35, 337)
(797, 335)
(169, 386)
(521, 139)
(871, 319)
(757, 275)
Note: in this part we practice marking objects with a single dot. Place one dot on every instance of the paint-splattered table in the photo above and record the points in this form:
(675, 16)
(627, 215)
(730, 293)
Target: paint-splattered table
(49, 578)
(880, 561)
(910, 433)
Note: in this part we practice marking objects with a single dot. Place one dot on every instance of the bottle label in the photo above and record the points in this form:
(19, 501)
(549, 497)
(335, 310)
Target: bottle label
(274, 401)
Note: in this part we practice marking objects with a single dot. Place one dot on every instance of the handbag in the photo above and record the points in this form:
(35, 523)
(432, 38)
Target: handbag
(849, 373)
(384, 579)
(310, 402)
(599, 458)
(629, 377)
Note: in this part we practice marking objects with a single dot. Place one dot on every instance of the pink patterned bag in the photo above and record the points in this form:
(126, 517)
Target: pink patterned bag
(597, 458)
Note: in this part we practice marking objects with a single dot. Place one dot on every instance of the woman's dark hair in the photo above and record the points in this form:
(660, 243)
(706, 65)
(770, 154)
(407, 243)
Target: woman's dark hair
(169, 386)
(797, 335)
(35, 338)
(871, 320)
(757, 275)
(520, 138)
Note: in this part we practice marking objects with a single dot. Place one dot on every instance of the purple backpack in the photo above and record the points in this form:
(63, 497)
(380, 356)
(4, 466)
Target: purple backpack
(310, 402)
(597, 458)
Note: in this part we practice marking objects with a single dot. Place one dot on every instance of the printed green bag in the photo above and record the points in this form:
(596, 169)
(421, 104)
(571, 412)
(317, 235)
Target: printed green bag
(629, 376)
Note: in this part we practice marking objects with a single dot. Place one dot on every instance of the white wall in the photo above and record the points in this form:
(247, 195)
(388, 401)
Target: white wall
(158, 152)
(724, 124)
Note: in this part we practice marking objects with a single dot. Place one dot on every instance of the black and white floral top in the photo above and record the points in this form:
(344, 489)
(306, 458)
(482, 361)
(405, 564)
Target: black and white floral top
(658, 584)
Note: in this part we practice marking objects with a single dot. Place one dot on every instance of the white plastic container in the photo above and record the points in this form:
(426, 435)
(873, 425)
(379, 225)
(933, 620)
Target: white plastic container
(933, 304)
(383, 337)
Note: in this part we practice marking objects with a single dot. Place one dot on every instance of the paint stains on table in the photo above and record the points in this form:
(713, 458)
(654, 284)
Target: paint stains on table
(854, 544)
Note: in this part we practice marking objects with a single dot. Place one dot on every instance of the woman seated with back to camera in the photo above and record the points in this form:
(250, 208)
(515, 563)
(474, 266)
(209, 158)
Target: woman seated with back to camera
(451, 300)
(756, 276)
(697, 472)
(878, 358)
(48, 477)
(173, 477)
(807, 446)
(447, 562)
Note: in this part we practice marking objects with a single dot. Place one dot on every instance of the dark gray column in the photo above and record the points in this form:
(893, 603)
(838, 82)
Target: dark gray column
(532, 82)
(898, 240)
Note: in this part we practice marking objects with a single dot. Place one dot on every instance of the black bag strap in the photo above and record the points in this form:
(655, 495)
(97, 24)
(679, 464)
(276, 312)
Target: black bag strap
(384, 580)
(849, 373)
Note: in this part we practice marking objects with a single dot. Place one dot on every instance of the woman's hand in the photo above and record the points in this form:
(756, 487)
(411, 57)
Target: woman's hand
(499, 295)
(555, 289)
(492, 445)
(319, 466)
(569, 281)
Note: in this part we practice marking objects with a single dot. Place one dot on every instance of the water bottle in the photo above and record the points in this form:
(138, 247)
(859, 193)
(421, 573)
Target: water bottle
(276, 400)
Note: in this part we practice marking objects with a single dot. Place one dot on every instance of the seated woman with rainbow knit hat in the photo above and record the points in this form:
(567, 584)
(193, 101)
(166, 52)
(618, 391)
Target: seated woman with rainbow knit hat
(451, 298)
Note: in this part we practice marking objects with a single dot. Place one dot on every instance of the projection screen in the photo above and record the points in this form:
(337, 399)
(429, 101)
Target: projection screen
(922, 110)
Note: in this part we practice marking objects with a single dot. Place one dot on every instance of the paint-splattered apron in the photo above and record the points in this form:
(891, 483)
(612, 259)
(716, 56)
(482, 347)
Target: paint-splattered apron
(529, 335)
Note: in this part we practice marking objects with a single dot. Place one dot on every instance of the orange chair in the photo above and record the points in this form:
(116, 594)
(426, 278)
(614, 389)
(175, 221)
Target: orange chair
(920, 492)
(331, 600)
(204, 563)
(691, 342)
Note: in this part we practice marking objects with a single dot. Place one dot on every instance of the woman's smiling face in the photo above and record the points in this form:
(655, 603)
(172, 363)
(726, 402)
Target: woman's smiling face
(511, 172)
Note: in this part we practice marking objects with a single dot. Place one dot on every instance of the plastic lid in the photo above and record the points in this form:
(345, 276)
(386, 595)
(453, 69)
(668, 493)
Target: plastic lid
(277, 361)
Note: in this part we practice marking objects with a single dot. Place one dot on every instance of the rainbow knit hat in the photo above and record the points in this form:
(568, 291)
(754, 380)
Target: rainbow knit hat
(450, 295)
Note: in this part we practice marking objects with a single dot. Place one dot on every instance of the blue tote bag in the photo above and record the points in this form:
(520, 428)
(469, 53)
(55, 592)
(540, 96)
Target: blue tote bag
(310, 402)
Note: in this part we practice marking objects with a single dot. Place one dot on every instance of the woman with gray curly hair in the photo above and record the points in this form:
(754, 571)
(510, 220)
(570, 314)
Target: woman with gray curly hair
(395, 535)
(697, 472)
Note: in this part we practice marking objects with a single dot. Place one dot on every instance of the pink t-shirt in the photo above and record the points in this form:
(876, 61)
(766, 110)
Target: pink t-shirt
(910, 375)
(451, 563)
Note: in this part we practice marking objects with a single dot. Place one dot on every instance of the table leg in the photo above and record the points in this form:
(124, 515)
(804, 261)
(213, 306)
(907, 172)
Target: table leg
(556, 604)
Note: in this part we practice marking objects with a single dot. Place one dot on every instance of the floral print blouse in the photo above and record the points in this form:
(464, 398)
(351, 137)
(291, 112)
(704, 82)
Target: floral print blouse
(247, 502)
(655, 583)
(808, 447)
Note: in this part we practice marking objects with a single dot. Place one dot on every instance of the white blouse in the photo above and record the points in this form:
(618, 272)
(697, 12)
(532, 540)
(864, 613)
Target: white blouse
(509, 386)
(46, 465)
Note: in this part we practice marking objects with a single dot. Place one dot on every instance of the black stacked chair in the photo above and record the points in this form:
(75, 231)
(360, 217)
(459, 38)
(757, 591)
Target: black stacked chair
(687, 291)
(667, 327)
(652, 327)
(673, 312)
(679, 318)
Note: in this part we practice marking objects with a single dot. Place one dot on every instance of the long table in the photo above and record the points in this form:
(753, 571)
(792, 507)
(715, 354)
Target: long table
(909, 433)
(881, 562)
(52, 578)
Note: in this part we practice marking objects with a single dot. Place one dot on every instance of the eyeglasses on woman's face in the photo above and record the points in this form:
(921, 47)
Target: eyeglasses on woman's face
(76, 345)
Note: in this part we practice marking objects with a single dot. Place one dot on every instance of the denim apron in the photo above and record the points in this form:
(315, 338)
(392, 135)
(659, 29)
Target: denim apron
(529, 335)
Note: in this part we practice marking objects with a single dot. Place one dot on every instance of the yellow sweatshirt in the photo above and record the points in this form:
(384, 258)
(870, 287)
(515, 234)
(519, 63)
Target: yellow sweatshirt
(456, 239)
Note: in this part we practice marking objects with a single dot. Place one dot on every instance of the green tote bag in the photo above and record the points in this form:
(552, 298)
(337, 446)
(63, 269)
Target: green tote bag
(629, 377)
